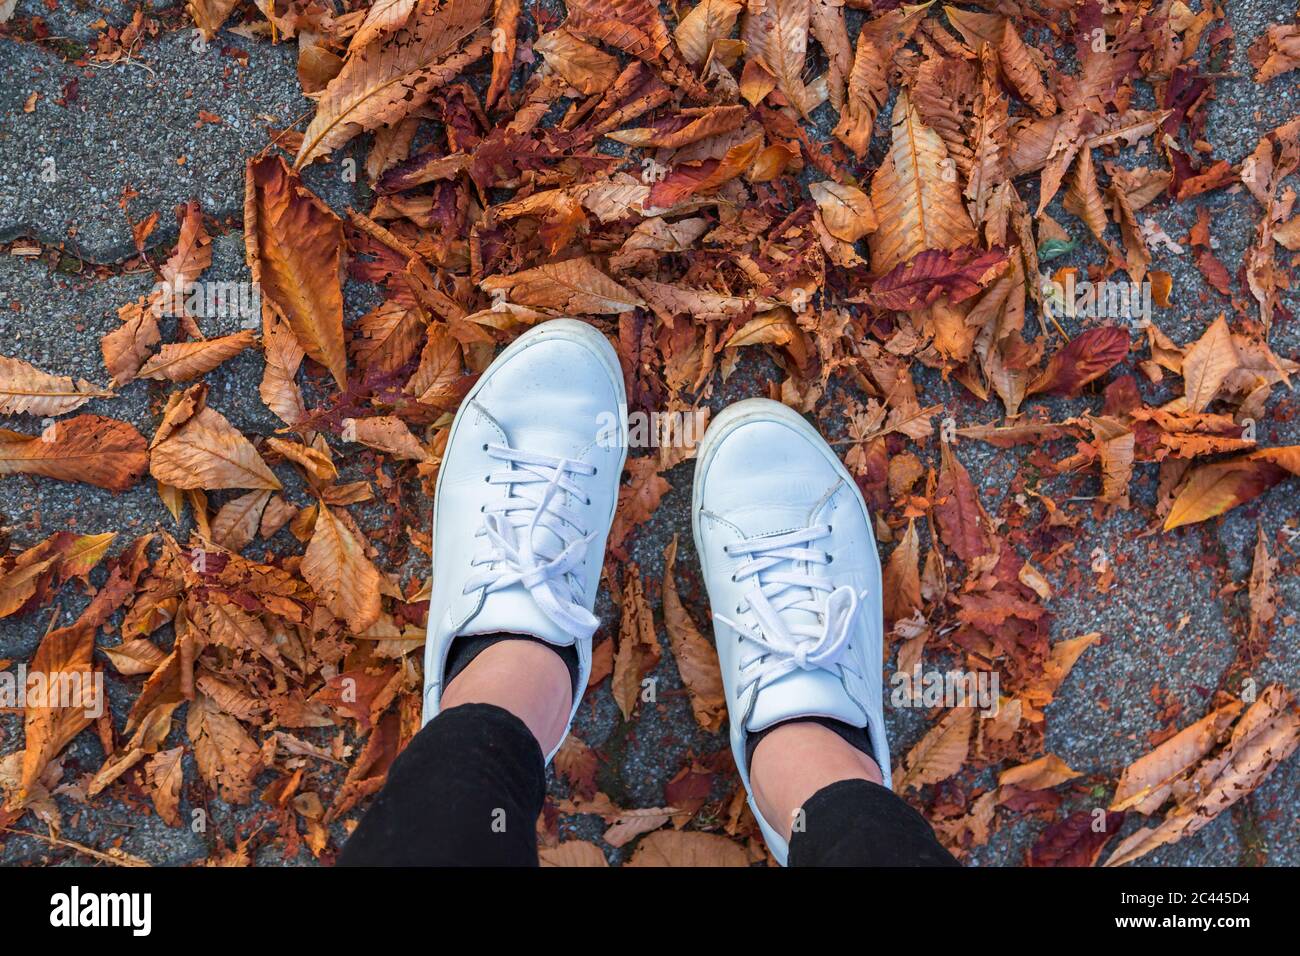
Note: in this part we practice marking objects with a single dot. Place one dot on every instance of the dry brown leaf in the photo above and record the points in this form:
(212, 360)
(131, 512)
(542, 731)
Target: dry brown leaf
(846, 210)
(916, 195)
(1207, 362)
(182, 361)
(1265, 735)
(940, 753)
(228, 759)
(705, 24)
(1146, 783)
(165, 774)
(64, 657)
(687, 848)
(87, 448)
(572, 853)
(387, 433)
(135, 657)
(868, 82)
(26, 389)
(207, 452)
(436, 380)
(638, 648)
(336, 566)
(209, 15)
(236, 524)
(1042, 774)
(586, 68)
(1212, 489)
(901, 584)
(573, 287)
(294, 243)
(696, 659)
(386, 80)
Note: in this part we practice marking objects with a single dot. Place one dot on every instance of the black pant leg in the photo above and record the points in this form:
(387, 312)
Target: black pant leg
(860, 823)
(466, 791)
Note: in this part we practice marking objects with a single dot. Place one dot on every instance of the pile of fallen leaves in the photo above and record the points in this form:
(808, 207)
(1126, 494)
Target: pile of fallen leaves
(672, 180)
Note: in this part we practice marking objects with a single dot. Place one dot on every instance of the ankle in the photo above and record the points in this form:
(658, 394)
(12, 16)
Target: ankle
(524, 676)
(797, 759)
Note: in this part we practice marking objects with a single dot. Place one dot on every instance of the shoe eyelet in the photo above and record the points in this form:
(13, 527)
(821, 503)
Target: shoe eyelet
(485, 446)
(487, 479)
(830, 558)
(594, 471)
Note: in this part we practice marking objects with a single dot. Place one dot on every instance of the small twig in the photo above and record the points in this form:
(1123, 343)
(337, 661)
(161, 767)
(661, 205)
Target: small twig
(122, 859)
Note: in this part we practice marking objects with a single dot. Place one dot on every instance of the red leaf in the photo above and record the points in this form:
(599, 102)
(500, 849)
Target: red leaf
(1072, 841)
(959, 274)
(1084, 358)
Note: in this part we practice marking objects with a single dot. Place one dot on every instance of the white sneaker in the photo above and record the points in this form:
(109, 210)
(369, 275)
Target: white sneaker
(525, 498)
(789, 559)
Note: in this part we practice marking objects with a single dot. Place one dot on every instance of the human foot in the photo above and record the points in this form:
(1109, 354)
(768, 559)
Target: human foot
(789, 560)
(525, 498)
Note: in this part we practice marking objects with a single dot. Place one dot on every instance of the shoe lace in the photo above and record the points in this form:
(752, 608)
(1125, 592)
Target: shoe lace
(516, 554)
(784, 645)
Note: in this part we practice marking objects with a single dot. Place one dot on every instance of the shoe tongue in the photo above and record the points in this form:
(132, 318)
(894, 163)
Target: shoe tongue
(512, 610)
(777, 499)
(562, 426)
(800, 693)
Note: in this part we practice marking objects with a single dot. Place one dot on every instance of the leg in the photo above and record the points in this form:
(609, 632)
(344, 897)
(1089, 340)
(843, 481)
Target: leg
(469, 788)
(788, 555)
(826, 798)
(525, 677)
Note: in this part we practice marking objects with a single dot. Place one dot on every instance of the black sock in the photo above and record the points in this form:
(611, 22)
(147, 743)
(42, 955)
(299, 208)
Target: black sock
(465, 649)
(855, 736)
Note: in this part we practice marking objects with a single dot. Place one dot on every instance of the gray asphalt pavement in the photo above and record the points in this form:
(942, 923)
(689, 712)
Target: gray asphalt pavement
(1168, 622)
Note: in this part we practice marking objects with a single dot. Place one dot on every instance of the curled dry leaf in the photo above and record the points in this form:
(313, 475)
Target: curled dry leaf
(705, 24)
(294, 243)
(1210, 490)
(586, 68)
(1265, 735)
(1041, 774)
(638, 648)
(696, 659)
(387, 433)
(209, 15)
(846, 210)
(1146, 783)
(705, 176)
(64, 657)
